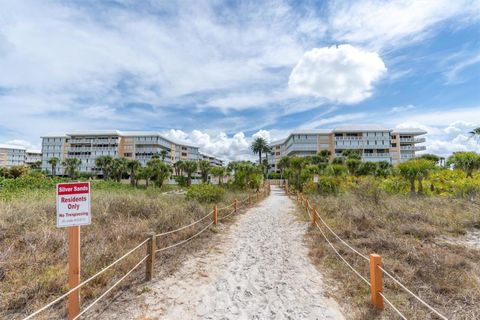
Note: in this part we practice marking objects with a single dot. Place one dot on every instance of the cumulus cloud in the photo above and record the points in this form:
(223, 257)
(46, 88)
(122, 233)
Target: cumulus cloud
(343, 74)
(235, 147)
(443, 140)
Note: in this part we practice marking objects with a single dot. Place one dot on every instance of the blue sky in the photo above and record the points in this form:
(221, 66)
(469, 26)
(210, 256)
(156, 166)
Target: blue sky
(217, 73)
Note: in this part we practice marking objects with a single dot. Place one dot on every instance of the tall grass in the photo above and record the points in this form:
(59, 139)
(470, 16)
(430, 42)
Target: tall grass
(33, 252)
(409, 233)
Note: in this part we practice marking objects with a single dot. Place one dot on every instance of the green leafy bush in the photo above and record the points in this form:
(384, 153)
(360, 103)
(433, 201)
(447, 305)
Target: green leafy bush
(205, 193)
(328, 185)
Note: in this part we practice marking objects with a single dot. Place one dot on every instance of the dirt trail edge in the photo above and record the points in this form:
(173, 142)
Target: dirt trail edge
(259, 269)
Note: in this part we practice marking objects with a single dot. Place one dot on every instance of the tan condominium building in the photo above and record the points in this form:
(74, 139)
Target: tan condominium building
(89, 145)
(11, 155)
(376, 143)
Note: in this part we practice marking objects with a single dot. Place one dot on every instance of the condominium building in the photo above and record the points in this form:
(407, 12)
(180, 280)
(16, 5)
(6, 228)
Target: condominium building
(376, 143)
(139, 145)
(214, 161)
(32, 157)
(11, 155)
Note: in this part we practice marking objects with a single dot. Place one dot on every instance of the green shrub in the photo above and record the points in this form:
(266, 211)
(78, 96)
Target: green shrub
(205, 193)
(181, 181)
(328, 185)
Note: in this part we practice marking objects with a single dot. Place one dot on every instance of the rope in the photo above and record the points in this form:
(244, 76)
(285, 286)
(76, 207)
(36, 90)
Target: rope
(228, 215)
(184, 241)
(345, 243)
(393, 307)
(413, 294)
(184, 227)
(85, 282)
(111, 288)
(226, 207)
(338, 254)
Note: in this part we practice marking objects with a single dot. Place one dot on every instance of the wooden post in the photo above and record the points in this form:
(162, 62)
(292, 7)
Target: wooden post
(307, 206)
(235, 205)
(249, 200)
(151, 258)
(215, 215)
(73, 271)
(314, 217)
(257, 195)
(376, 282)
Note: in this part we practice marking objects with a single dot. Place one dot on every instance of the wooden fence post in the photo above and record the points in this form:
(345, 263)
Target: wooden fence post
(249, 200)
(257, 196)
(215, 214)
(376, 281)
(73, 271)
(150, 265)
(235, 205)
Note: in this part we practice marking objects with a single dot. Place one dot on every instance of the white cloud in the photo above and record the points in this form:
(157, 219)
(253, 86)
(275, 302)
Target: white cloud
(402, 108)
(341, 118)
(443, 140)
(263, 134)
(343, 74)
(381, 24)
(23, 143)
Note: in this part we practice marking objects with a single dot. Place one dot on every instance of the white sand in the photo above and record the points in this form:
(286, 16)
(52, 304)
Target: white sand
(258, 269)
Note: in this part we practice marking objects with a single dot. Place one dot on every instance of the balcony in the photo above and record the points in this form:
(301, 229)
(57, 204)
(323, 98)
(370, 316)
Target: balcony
(407, 156)
(376, 155)
(415, 140)
(413, 148)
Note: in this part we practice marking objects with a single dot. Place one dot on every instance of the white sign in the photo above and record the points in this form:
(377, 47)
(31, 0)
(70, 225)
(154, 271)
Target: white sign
(315, 178)
(73, 204)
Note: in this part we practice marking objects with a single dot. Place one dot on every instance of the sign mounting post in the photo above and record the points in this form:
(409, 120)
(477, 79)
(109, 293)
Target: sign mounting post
(73, 211)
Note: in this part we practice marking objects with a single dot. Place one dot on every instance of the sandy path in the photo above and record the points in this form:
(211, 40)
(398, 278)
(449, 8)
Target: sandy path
(259, 269)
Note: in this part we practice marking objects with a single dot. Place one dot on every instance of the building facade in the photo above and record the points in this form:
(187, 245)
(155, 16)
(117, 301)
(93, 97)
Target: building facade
(376, 143)
(214, 161)
(89, 145)
(11, 156)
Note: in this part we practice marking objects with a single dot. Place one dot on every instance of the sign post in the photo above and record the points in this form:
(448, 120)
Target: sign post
(73, 210)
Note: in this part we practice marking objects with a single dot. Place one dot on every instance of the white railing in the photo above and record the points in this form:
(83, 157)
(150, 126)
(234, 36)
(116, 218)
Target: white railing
(376, 155)
(414, 148)
(416, 140)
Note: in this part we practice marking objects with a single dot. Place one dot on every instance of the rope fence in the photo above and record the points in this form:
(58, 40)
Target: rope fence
(376, 270)
(151, 251)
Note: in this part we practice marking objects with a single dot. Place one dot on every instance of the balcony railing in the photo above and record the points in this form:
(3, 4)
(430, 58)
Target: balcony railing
(413, 148)
(376, 155)
(416, 140)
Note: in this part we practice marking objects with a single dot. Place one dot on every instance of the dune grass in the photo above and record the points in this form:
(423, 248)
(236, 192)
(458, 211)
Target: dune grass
(409, 233)
(33, 252)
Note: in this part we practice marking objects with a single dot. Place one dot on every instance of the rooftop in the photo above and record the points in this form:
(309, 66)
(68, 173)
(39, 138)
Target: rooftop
(11, 146)
(360, 128)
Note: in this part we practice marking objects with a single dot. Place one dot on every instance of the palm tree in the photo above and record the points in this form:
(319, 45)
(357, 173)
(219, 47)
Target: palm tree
(267, 150)
(283, 164)
(258, 146)
(104, 163)
(218, 172)
(159, 171)
(119, 168)
(466, 161)
(475, 133)
(415, 170)
(71, 165)
(204, 167)
(178, 167)
(163, 153)
(189, 167)
(145, 173)
(133, 166)
(53, 162)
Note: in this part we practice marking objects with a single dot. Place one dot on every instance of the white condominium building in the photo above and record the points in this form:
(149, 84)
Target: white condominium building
(376, 143)
(89, 145)
(11, 156)
(214, 161)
